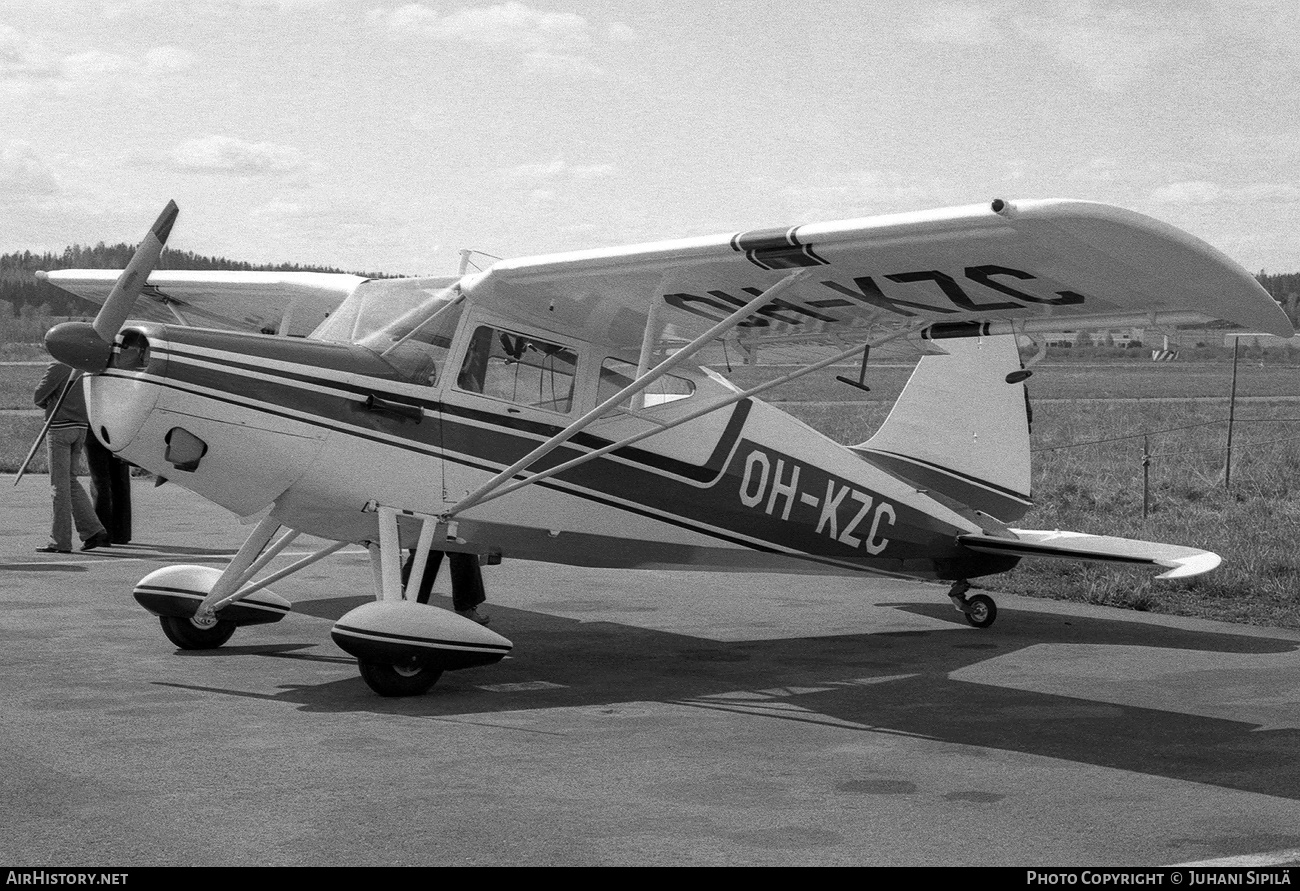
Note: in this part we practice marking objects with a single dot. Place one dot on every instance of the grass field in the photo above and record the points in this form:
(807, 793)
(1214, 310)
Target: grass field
(1093, 423)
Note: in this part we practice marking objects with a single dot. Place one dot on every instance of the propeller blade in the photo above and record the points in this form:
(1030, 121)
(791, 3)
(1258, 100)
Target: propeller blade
(89, 346)
(45, 431)
(112, 315)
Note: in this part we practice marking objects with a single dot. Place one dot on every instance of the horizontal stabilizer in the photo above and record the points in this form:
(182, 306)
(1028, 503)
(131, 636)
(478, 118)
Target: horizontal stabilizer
(1180, 562)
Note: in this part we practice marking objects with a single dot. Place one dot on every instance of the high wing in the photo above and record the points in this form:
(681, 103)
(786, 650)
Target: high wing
(271, 302)
(1022, 266)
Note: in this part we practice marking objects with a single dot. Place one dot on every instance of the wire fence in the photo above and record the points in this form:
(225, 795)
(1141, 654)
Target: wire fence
(1146, 434)
(1247, 457)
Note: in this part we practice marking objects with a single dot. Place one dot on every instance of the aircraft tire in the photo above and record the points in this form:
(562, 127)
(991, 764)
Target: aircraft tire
(396, 680)
(981, 611)
(188, 636)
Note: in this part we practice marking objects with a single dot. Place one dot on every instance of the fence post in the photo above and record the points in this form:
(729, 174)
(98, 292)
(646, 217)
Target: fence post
(1146, 476)
(1232, 409)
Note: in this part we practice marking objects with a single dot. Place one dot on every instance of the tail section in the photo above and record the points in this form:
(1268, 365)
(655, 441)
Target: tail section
(959, 430)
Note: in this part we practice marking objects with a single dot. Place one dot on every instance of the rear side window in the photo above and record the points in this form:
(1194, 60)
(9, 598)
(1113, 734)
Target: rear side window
(519, 369)
(615, 374)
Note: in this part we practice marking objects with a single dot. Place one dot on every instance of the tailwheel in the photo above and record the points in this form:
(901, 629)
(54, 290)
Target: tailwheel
(192, 634)
(410, 678)
(981, 611)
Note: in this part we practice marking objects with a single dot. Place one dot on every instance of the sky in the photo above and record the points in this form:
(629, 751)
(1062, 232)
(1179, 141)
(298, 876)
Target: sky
(385, 136)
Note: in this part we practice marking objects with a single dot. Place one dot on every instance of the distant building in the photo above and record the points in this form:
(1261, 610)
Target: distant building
(1119, 337)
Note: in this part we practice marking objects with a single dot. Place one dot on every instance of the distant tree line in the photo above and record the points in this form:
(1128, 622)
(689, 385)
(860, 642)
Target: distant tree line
(1285, 289)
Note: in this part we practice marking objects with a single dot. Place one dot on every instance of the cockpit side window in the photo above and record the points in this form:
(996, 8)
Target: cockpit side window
(519, 369)
(615, 374)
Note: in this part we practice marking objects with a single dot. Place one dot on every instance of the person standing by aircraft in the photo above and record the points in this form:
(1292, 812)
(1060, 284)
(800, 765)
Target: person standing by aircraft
(65, 442)
(467, 591)
(110, 487)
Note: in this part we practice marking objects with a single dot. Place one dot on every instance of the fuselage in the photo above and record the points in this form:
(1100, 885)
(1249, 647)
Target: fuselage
(319, 431)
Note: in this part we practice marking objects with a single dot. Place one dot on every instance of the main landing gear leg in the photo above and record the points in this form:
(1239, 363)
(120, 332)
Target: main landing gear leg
(409, 675)
(200, 607)
(203, 630)
(979, 610)
(402, 643)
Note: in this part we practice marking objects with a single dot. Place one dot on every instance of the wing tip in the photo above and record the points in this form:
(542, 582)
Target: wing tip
(1192, 565)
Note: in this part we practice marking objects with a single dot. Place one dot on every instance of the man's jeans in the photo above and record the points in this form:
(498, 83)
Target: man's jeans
(71, 503)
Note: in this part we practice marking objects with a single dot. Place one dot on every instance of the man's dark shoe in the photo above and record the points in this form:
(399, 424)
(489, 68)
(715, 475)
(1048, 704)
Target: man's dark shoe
(98, 540)
(51, 549)
(473, 615)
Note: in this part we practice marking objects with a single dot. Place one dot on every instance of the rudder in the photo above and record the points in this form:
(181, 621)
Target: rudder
(959, 430)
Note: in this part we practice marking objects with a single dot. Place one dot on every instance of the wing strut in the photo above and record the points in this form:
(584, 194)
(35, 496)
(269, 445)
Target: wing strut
(642, 382)
(250, 560)
(698, 413)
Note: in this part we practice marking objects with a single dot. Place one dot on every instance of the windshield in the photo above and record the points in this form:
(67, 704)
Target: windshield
(410, 322)
(377, 304)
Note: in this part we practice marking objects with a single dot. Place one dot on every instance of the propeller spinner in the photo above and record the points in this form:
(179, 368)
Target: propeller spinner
(88, 346)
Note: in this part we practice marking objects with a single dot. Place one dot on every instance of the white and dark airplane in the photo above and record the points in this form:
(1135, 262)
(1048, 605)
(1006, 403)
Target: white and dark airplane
(558, 408)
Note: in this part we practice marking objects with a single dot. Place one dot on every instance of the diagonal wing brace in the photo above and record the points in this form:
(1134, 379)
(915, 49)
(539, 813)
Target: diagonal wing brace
(641, 383)
(698, 413)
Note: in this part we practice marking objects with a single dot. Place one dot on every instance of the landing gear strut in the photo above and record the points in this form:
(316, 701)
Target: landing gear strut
(980, 610)
(402, 643)
(403, 646)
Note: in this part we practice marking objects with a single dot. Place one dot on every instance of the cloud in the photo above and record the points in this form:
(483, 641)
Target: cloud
(510, 23)
(226, 154)
(1191, 192)
(27, 63)
(23, 56)
(959, 23)
(95, 65)
(1205, 192)
(859, 193)
(164, 59)
(549, 41)
(620, 33)
(278, 209)
(25, 177)
(1113, 45)
(558, 170)
(562, 63)
(120, 9)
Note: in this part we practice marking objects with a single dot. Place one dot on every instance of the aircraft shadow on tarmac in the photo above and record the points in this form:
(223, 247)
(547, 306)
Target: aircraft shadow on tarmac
(147, 551)
(889, 682)
(80, 561)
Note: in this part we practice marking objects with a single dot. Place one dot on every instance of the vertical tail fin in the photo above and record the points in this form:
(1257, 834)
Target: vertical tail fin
(959, 430)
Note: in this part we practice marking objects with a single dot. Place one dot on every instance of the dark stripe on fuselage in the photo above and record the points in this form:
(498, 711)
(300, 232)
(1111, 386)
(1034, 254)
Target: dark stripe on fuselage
(329, 407)
(996, 501)
(345, 417)
(496, 438)
(664, 489)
